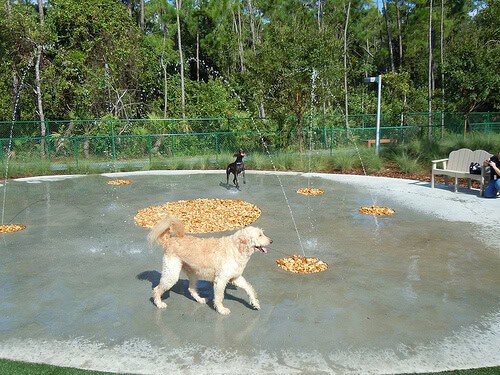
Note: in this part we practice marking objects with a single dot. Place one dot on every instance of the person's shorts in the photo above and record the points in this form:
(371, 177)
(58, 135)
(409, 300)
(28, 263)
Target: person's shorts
(490, 191)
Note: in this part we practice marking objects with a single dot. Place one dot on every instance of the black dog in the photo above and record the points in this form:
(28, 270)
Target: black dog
(235, 169)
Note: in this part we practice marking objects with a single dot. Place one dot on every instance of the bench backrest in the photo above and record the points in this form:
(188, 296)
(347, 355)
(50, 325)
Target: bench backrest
(459, 160)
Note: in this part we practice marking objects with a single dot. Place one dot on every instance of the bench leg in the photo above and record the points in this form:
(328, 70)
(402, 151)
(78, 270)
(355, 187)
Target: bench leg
(456, 184)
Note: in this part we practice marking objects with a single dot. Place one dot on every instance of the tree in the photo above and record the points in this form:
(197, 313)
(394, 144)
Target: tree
(116, 58)
(473, 52)
(96, 63)
(389, 35)
(346, 96)
(38, 85)
(400, 33)
(178, 5)
(431, 72)
(141, 14)
(281, 70)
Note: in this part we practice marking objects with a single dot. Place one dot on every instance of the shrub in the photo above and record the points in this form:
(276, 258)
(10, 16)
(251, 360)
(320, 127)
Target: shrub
(344, 160)
(369, 161)
(407, 164)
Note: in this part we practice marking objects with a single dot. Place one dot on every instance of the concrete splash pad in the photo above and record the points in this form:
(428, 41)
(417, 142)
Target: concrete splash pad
(416, 291)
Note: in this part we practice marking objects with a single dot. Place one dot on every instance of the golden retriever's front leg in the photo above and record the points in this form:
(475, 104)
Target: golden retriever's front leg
(157, 293)
(219, 288)
(240, 282)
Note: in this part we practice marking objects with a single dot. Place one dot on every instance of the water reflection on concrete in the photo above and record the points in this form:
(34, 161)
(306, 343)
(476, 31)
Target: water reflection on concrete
(411, 292)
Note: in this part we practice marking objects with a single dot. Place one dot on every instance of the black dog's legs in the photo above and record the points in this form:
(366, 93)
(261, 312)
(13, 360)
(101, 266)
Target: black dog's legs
(231, 168)
(235, 170)
(235, 180)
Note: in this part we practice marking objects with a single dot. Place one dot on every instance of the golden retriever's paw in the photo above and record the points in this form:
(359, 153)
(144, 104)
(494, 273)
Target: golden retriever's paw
(161, 305)
(201, 300)
(223, 310)
(255, 304)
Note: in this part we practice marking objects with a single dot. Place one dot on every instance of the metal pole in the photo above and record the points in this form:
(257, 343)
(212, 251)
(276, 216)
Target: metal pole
(377, 137)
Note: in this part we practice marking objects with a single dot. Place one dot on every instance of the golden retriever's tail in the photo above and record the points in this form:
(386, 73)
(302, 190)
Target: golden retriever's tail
(165, 228)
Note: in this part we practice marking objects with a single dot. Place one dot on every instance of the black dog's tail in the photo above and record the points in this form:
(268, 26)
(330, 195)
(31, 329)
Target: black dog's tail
(165, 229)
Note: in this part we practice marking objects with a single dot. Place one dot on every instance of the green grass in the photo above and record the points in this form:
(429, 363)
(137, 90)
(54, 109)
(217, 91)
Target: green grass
(24, 368)
(478, 371)
(9, 367)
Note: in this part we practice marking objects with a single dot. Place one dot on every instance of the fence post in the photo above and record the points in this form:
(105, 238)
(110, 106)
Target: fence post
(113, 149)
(172, 129)
(331, 141)
(217, 147)
(324, 137)
(150, 146)
(48, 140)
(75, 141)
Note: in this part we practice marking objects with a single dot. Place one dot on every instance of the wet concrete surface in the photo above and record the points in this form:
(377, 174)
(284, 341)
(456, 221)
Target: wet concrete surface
(416, 291)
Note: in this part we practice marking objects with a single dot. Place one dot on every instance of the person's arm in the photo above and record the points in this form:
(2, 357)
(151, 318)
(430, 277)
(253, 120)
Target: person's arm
(494, 166)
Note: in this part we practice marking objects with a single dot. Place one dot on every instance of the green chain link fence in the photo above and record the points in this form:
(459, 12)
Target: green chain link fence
(147, 139)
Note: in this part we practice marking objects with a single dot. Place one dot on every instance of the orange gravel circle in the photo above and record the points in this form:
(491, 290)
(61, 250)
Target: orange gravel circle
(310, 191)
(11, 228)
(377, 211)
(202, 215)
(119, 182)
(302, 264)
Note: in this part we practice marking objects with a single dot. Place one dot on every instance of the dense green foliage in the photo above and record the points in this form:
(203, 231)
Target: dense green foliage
(255, 58)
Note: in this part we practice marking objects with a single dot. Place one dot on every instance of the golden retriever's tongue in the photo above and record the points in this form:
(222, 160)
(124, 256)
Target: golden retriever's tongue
(261, 249)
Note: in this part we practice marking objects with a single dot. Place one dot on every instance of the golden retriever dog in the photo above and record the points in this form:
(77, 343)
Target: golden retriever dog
(219, 260)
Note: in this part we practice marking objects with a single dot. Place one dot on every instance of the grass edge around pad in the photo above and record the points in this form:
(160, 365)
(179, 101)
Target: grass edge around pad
(8, 366)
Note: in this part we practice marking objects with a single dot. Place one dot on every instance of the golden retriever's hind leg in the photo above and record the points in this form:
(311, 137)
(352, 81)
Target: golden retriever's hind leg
(169, 276)
(219, 289)
(193, 289)
(240, 282)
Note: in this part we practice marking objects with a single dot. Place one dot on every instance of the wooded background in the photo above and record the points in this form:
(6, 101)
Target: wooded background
(131, 59)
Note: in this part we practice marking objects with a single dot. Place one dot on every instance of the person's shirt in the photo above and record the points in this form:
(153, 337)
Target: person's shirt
(493, 173)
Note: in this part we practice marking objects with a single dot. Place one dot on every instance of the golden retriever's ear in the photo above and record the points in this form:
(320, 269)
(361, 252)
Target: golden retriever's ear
(242, 243)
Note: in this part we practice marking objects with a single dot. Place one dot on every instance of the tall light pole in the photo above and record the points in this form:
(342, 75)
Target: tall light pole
(379, 80)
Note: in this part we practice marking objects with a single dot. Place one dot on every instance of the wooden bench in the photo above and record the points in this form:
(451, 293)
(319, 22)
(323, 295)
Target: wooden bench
(370, 142)
(457, 166)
